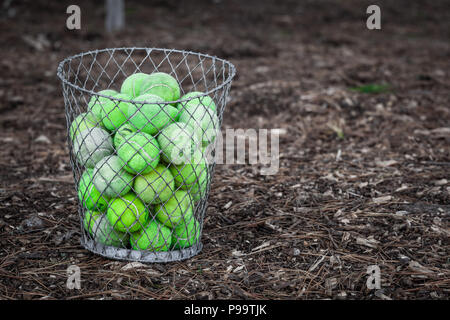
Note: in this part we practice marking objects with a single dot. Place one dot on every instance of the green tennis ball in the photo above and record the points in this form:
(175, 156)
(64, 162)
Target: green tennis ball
(110, 178)
(91, 145)
(162, 85)
(198, 190)
(156, 186)
(192, 178)
(101, 230)
(179, 143)
(135, 234)
(151, 117)
(127, 213)
(186, 234)
(95, 105)
(88, 194)
(175, 210)
(202, 119)
(132, 85)
(155, 237)
(82, 122)
(196, 98)
(139, 153)
(115, 112)
(120, 135)
(187, 174)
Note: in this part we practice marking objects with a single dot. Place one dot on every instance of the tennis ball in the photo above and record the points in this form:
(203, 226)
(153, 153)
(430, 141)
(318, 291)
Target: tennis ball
(121, 133)
(196, 98)
(151, 116)
(101, 230)
(139, 153)
(110, 178)
(198, 189)
(95, 105)
(179, 142)
(115, 112)
(162, 85)
(154, 237)
(91, 145)
(192, 178)
(82, 122)
(89, 220)
(144, 225)
(156, 186)
(175, 210)
(202, 119)
(132, 85)
(209, 152)
(127, 213)
(188, 173)
(88, 194)
(186, 234)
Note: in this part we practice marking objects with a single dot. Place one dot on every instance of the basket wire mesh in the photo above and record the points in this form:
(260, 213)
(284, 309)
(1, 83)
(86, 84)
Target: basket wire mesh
(142, 164)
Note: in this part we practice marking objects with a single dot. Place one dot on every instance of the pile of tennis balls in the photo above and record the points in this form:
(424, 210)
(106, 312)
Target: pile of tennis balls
(144, 162)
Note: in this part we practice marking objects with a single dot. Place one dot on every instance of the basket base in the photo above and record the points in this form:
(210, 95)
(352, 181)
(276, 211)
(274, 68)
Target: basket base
(141, 256)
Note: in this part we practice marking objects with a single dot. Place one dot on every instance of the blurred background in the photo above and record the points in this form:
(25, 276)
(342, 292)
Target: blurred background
(364, 163)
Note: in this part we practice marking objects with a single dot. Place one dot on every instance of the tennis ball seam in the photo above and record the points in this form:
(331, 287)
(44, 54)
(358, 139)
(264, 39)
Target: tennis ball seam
(160, 85)
(133, 204)
(140, 149)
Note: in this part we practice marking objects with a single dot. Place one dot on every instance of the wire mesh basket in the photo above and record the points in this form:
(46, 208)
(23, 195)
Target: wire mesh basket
(142, 125)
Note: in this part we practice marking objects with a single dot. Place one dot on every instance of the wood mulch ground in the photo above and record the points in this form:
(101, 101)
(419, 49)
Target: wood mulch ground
(363, 180)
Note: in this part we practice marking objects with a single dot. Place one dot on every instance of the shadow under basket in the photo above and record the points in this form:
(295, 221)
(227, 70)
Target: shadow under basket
(142, 128)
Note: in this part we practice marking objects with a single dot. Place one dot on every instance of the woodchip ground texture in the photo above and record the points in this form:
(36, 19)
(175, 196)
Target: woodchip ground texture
(363, 180)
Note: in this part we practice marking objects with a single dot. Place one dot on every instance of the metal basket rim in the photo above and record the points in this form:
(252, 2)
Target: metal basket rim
(152, 257)
(60, 75)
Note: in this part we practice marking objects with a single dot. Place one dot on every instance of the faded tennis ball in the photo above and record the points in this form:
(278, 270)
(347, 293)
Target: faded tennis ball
(121, 134)
(96, 103)
(150, 117)
(179, 143)
(156, 186)
(89, 220)
(88, 194)
(173, 211)
(154, 237)
(82, 122)
(202, 119)
(110, 178)
(209, 152)
(186, 234)
(162, 85)
(139, 152)
(91, 145)
(115, 112)
(101, 230)
(132, 85)
(196, 98)
(127, 213)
